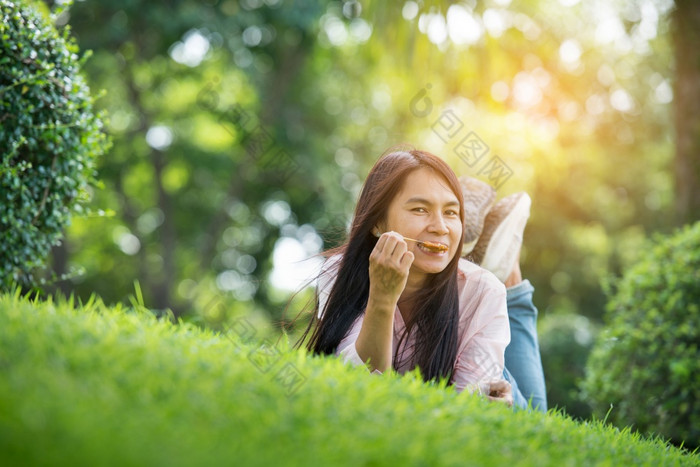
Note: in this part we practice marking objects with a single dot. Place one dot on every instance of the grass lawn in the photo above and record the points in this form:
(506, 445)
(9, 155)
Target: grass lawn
(102, 385)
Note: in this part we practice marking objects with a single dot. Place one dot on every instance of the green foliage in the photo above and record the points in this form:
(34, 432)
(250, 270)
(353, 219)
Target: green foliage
(647, 362)
(115, 386)
(48, 141)
(565, 343)
(333, 98)
(192, 216)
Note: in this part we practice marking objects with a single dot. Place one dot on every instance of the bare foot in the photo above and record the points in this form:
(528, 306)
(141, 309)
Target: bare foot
(515, 277)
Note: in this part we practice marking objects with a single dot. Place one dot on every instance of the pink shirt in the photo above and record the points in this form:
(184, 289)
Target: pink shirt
(484, 331)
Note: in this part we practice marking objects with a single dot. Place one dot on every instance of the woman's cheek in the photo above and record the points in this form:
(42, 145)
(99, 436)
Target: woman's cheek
(457, 229)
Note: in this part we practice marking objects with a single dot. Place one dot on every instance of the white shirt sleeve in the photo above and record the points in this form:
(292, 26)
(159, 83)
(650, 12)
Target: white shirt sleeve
(480, 358)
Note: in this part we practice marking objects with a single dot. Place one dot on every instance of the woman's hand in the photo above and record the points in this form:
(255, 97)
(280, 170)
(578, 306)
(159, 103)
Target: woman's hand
(498, 391)
(389, 264)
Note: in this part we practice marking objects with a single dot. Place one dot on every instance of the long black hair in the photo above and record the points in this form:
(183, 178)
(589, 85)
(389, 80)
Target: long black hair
(436, 314)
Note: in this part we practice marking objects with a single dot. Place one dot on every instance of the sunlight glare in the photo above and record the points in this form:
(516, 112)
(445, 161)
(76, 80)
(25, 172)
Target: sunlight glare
(610, 28)
(191, 50)
(463, 28)
(292, 266)
(621, 100)
(663, 93)
(570, 51)
(495, 22)
(433, 24)
(525, 90)
(159, 137)
(410, 10)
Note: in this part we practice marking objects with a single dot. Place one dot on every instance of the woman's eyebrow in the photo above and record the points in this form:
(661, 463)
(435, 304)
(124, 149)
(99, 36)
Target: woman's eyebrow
(418, 199)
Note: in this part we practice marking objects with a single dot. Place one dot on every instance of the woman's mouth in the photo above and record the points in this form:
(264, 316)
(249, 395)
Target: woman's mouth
(433, 247)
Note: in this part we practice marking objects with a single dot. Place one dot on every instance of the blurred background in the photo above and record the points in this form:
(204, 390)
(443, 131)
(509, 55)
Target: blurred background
(242, 132)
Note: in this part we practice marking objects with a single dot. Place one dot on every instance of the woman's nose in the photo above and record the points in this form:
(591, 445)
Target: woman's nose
(438, 224)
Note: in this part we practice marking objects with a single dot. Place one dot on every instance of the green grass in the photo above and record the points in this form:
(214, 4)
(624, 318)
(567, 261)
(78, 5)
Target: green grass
(114, 386)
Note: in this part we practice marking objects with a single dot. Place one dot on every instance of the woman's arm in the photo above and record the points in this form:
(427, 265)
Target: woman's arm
(389, 264)
(480, 357)
(370, 339)
(375, 342)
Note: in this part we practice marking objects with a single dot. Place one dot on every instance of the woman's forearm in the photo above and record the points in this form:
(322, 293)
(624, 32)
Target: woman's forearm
(374, 343)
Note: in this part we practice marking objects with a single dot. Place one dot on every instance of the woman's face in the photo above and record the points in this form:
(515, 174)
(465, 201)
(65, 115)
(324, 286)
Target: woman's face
(426, 209)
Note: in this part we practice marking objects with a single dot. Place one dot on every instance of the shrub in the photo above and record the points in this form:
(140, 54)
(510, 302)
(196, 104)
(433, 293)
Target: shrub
(565, 343)
(99, 385)
(646, 362)
(49, 139)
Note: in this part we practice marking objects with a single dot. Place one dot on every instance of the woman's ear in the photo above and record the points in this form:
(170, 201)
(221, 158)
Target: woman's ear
(376, 232)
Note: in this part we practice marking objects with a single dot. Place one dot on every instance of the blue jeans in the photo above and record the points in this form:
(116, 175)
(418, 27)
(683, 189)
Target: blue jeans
(523, 369)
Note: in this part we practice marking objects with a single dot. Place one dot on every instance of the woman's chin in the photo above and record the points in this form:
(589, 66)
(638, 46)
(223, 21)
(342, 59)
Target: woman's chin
(433, 266)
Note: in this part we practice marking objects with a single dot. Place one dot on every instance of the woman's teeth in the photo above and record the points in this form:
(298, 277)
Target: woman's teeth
(433, 247)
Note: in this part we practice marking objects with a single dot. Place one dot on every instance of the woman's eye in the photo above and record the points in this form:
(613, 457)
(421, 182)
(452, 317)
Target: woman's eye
(451, 213)
(419, 210)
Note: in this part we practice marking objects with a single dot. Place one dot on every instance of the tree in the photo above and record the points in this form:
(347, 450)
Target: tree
(49, 140)
(686, 36)
(332, 84)
(644, 370)
(189, 181)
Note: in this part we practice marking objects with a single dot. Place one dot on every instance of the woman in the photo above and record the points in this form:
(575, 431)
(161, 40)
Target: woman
(388, 302)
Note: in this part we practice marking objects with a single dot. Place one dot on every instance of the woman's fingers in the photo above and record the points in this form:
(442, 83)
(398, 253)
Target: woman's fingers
(380, 243)
(407, 260)
(501, 391)
(389, 241)
(391, 246)
(499, 386)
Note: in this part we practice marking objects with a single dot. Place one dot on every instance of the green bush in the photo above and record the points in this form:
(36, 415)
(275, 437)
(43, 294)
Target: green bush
(49, 139)
(112, 386)
(646, 363)
(565, 343)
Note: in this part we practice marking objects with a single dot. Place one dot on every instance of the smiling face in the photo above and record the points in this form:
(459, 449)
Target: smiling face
(426, 209)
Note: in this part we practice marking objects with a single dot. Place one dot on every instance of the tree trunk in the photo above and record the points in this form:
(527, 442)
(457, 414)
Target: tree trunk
(162, 292)
(59, 260)
(290, 62)
(161, 286)
(685, 26)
